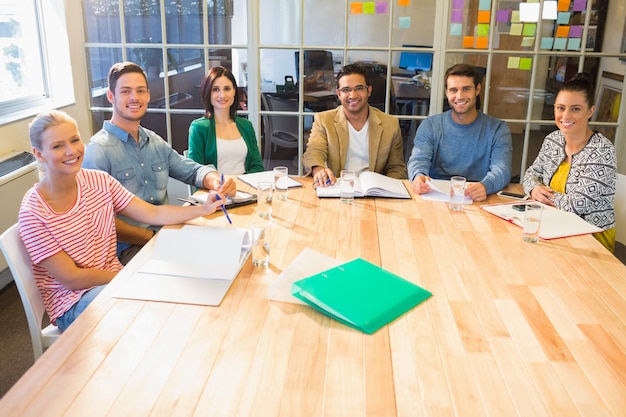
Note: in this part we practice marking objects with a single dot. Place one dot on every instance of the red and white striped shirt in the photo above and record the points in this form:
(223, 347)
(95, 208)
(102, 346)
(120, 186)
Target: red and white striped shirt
(86, 232)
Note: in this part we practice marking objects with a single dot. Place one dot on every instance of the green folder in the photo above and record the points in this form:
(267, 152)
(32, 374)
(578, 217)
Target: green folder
(360, 294)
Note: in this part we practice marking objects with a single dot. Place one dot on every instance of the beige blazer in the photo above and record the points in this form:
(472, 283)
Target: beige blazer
(328, 143)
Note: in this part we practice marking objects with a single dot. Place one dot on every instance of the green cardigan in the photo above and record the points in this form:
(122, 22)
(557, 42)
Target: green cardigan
(203, 149)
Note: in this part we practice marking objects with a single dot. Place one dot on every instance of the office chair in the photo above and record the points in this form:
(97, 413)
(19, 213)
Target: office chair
(21, 269)
(280, 130)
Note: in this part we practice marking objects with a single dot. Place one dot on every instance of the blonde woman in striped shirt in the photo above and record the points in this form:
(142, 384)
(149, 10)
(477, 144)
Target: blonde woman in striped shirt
(67, 220)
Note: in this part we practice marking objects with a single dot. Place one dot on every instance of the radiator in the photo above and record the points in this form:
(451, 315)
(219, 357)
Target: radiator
(18, 173)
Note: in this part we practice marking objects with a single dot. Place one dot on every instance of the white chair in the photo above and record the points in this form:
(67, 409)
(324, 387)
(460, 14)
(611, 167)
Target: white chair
(620, 209)
(21, 269)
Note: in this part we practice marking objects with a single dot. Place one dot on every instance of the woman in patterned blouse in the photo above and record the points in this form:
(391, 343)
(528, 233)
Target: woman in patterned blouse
(576, 167)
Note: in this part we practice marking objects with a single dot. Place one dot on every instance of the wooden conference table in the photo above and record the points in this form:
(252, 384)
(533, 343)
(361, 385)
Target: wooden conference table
(513, 329)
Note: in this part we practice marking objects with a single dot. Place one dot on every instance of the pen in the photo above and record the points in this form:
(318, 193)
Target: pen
(223, 207)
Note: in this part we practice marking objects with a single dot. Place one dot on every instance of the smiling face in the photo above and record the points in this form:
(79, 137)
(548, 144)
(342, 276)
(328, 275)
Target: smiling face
(572, 112)
(222, 93)
(354, 101)
(61, 150)
(461, 94)
(130, 98)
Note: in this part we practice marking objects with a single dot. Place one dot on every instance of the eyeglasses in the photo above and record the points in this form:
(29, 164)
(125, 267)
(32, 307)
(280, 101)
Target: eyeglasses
(357, 89)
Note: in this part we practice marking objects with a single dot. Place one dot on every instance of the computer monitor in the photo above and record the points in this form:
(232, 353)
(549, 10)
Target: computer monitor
(416, 61)
(314, 60)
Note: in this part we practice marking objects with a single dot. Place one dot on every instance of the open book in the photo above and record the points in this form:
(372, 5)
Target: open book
(369, 184)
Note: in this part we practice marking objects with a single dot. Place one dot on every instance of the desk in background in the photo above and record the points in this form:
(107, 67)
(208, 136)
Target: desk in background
(513, 329)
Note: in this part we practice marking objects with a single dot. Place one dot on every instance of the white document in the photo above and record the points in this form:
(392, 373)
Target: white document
(369, 184)
(240, 197)
(256, 177)
(440, 191)
(555, 223)
(308, 263)
(191, 265)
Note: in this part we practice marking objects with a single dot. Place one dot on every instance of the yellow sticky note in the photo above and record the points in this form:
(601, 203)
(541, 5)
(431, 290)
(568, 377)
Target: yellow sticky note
(369, 7)
(515, 16)
(356, 7)
(528, 41)
(484, 16)
(513, 62)
(468, 41)
(562, 31)
(405, 3)
(482, 42)
(516, 29)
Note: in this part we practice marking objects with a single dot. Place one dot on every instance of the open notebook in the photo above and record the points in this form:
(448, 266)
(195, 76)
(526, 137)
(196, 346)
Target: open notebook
(369, 184)
(555, 223)
(191, 265)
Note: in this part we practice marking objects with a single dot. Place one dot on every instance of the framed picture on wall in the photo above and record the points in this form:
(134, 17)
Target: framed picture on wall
(609, 97)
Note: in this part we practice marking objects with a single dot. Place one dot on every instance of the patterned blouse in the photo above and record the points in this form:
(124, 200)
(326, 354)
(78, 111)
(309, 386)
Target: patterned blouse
(590, 186)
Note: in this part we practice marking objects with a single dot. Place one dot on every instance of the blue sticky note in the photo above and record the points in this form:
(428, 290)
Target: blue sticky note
(546, 43)
(456, 29)
(573, 44)
(404, 22)
(563, 18)
(560, 43)
(484, 5)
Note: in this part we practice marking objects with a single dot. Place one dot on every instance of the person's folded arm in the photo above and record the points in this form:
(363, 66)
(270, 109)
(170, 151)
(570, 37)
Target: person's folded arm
(71, 276)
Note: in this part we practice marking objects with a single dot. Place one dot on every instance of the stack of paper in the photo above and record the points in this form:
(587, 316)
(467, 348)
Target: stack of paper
(440, 191)
(254, 178)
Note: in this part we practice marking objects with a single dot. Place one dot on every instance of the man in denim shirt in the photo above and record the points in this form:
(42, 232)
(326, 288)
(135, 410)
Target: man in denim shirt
(139, 158)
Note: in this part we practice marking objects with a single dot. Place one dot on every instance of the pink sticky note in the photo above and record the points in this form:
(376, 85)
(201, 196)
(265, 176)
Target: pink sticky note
(382, 7)
(456, 16)
(503, 16)
(575, 31)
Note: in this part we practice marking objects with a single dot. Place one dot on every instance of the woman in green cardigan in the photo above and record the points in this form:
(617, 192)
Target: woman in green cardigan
(221, 137)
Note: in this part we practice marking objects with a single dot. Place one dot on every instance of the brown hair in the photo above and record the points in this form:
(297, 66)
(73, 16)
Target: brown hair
(462, 70)
(207, 84)
(582, 83)
(121, 68)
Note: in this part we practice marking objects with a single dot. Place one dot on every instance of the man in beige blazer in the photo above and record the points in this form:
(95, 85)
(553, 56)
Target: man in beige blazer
(355, 135)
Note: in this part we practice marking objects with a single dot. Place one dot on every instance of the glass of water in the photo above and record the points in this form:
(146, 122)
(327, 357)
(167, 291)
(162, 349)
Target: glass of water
(347, 186)
(281, 183)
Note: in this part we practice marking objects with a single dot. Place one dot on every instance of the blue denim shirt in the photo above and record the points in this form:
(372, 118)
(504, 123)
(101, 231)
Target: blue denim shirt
(143, 168)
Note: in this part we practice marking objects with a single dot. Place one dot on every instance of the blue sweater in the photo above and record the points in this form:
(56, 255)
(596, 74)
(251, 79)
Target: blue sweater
(479, 151)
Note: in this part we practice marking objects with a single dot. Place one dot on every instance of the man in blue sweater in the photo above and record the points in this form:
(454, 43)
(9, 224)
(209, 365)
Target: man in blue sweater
(462, 141)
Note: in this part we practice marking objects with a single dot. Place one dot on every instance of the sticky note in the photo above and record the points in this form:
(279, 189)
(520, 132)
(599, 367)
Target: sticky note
(525, 63)
(484, 16)
(549, 10)
(503, 16)
(456, 29)
(382, 7)
(562, 31)
(573, 44)
(528, 42)
(404, 3)
(546, 43)
(468, 42)
(482, 42)
(529, 29)
(482, 29)
(457, 4)
(369, 7)
(515, 16)
(484, 5)
(532, 1)
(575, 31)
(580, 5)
(404, 22)
(563, 5)
(559, 43)
(356, 7)
(529, 12)
(563, 18)
(516, 29)
(513, 62)
(456, 16)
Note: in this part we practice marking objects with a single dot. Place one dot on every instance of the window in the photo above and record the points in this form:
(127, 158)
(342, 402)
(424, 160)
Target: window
(27, 83)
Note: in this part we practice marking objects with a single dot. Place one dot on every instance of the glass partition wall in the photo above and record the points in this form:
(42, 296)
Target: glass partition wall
(285, 56)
